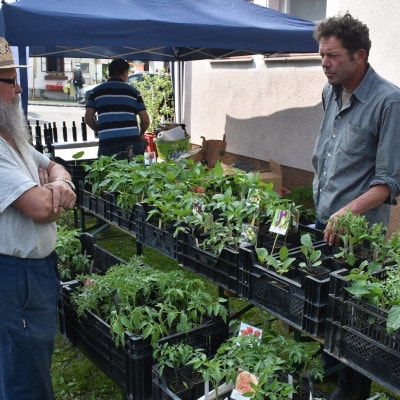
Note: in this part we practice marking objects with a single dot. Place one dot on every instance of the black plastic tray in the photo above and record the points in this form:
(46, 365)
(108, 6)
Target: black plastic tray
(92, 203)
(266, 239)
(356, 333)
(152, 236)
(129, 366)
(298, 298)
(220, 269)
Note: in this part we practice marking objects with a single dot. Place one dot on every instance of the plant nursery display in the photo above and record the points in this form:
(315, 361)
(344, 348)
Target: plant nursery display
(236, 232)
(280, 367)
(71, 260)
(147, 302)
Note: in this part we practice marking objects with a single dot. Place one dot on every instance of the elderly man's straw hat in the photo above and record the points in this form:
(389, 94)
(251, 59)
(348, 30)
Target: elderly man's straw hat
(6, 56)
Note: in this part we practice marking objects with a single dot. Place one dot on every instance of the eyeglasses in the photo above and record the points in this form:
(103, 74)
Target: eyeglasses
(11, 81)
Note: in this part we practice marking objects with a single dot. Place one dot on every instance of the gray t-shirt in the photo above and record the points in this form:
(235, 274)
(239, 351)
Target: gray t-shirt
(20, 236)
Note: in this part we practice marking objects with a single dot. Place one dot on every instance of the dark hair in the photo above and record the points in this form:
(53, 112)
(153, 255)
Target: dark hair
(353, 34)
(117, 67)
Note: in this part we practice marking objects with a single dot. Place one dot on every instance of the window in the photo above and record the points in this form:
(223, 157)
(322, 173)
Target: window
(85, 67)
(54, 64)
(314, 10)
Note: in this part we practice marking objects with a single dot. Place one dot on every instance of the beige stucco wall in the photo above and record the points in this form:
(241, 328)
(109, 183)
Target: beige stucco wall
(382, 19)
(272, 109)
(266, 109)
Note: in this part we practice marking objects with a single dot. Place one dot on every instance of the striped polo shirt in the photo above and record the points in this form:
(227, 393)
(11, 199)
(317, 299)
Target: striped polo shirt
(116, 104)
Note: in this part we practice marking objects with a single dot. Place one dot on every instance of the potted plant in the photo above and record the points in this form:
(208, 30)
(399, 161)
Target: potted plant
(157, 94)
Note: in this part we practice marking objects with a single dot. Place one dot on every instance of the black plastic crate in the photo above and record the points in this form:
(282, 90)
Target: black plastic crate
(162, 391)
(75, 168)
(129, 366)
(124, 219)
(298, 298)
(152, 236)
(220, 269)
(102, 260)
(65, 313)
(266, 239)
(356, 334)
(92, 203)
(195, 389)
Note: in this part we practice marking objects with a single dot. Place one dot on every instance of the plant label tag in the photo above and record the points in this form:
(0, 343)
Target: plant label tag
(290, 382)
(311, 395)
(129, 153)
(150, 158)
(249, 234)
(253, 198)
(280, 222)
(244, 382)
(198, 207)
(246, 329)
(206, 389)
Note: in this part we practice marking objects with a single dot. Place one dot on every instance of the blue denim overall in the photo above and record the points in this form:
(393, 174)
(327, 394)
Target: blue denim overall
(28, 304)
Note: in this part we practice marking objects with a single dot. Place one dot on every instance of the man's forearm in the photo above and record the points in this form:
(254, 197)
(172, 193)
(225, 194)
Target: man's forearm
(143, 126)
(144, 121)
(367, 201)
(92, 123)
(57, 171)
(372, 198)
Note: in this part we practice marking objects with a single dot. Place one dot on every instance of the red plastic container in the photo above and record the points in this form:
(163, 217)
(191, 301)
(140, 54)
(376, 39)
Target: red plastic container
(151, 146)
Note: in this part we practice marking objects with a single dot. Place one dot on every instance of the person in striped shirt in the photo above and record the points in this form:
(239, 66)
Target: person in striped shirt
(117, 105)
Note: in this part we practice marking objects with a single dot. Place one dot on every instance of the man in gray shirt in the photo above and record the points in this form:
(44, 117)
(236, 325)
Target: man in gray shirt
(34, 192)
(356, 157)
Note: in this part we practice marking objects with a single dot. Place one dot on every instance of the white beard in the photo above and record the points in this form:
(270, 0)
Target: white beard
(13, 124)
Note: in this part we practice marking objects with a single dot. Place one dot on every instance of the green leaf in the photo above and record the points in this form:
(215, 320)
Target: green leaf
(315, 255)
(351, 259)
(283, 253)
(306, 240)
(147, 331)
(218, 170)
(170, 318)
(393, 321)
(78, 155)
(262, 253)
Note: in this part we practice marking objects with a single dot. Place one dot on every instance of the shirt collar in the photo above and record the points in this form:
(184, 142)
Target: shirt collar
(115, 80)
(361, 92)
(363, 88)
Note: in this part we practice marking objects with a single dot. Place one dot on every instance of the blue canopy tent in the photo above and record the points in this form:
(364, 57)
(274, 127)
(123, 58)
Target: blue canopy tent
(152, 29)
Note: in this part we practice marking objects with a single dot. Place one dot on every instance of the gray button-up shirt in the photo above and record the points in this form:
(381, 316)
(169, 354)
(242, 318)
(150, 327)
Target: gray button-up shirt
(358, 147)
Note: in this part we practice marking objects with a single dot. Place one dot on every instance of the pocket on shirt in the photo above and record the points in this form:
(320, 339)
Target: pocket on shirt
(355, 139)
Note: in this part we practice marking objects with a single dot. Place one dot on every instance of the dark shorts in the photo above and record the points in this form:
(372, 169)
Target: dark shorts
(110, 147)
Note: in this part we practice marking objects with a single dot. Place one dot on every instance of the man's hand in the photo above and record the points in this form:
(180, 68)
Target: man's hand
(63, 195)
(331, 231)
(43, 176)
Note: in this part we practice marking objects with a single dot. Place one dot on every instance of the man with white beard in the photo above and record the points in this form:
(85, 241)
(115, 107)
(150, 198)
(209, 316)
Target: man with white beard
(34, 193)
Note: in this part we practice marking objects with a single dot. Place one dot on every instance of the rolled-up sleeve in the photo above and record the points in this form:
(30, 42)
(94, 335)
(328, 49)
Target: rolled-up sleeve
(387, 166)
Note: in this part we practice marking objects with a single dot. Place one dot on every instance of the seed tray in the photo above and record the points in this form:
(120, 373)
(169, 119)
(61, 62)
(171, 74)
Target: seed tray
(194, 390)
(124, 219)
(92, 203)
(266, 239)
(298, 298)
(129, 366)
(154, 237)
(220, 269)
(356, 333)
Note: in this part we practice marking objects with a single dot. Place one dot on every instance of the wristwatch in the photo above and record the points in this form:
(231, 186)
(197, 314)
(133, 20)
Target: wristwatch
(60, 178)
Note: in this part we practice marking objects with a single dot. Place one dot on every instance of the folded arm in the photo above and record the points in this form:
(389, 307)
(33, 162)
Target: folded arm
(44, 204)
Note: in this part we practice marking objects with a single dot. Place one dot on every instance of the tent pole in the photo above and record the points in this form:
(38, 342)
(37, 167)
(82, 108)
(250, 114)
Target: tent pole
(23, 77)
